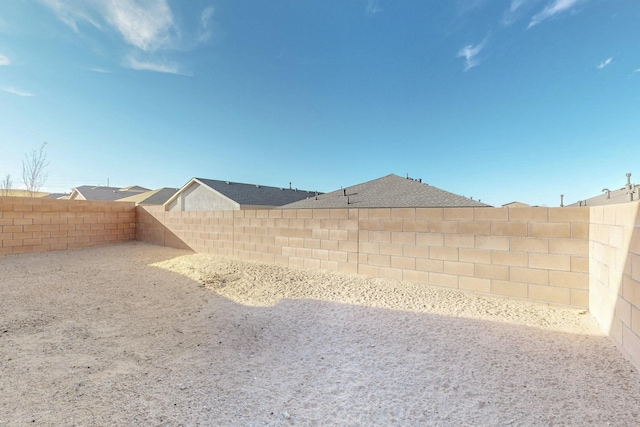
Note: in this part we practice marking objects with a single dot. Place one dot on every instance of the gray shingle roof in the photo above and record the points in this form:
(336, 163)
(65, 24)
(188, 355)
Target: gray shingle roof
(391, 191)
(90, 192)
(257, 195)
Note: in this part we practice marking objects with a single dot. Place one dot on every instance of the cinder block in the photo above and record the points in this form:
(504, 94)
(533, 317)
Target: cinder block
(429, 239)
(498, 272)
(401, 238)
(508, 288)
(458, 214)
(436, 214)
(430, 265)
(579, 264)
(529, 275)
(444, 280)
(438, 253)
(515, 259)
(509, 229)
(403, 263)
(550, 229)
(569, 247)
(491, 214)
(580, 298)
(320, 254)
(631, 345)
(415, 226)
(377, 236)
(529, 214)
(403, 213)
(569, 279)
(368, 270)
(476, 256)
(550, 294)
(391, 273)
(474, 284)
(379, 260)
(475, 227)
(390, 225)
(635, 320)
(459, 241)
(379, 213)
(339, 214)
(631, 291)
(459, 268)
(499, 243)
(569, 214)
(550, 262)
(391, 249)
(580, 231)
(415, 276)
(415, 251)
(443, 227)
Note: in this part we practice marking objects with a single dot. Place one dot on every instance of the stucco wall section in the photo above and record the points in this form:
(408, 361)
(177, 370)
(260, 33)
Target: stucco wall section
(41, 225)
(614, 274)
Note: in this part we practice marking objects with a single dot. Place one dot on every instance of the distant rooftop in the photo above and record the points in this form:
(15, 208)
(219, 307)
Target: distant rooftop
(391, 191)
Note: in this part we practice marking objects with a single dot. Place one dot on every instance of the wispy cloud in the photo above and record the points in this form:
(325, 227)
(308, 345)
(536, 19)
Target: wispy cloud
(157, 66)
(98, 70)
(16, 91)
(605, 63)
(470, 53)
(204, 27)
(373, 7)
(511, 14)
(4, 60)
(146, 26)
(552, 9)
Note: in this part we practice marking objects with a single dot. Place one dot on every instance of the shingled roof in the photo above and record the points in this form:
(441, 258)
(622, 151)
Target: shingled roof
(391, 191)
(251, 194)
(91, 192)
(154, 197)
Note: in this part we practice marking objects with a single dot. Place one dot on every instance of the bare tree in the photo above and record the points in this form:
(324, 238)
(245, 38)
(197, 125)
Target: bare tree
(5, 185)
(34, 174)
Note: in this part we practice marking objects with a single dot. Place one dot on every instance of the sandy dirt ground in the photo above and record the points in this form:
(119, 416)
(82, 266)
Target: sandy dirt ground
(135, 334)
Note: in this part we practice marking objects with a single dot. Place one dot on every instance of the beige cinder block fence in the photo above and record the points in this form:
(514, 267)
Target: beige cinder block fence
(537, 254)
(40, 225)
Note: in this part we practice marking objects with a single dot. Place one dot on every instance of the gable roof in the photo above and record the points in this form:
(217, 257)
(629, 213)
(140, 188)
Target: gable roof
(249, 194)
(91, 192)
(391, 191)
(154, 197)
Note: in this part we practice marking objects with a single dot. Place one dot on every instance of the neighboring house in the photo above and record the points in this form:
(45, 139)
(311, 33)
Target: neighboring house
(391, 191)
(91, 192)
(201, 194)
(516, 205)
(628, 193)
(154, 197)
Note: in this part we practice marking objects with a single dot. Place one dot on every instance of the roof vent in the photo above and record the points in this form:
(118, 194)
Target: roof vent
(228, 183)
(257, 186)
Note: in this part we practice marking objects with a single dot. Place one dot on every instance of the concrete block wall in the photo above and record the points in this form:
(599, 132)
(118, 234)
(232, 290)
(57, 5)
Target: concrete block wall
(614, 274)
(536, 254)
(41, 225)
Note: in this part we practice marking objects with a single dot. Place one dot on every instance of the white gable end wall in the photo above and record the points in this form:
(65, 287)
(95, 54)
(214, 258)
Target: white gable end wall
(196, 197)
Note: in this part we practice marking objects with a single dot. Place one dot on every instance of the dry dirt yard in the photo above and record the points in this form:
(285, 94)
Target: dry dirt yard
(135, 334)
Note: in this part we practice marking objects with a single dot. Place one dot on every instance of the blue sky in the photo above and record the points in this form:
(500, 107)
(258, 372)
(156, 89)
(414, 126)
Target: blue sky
(498, 100)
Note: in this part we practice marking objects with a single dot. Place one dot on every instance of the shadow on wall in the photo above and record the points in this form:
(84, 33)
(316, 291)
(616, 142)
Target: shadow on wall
(152, 230)
(614, 274)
